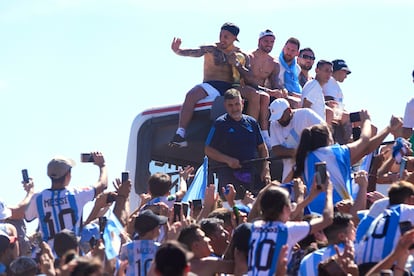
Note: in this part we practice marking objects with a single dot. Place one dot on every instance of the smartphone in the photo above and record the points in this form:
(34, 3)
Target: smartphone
(320, 172)
(354, 117)
(110, 198)
(227, 189)
(404, 227)
(403, 166)
(185, 206)
(25, 176)
(236, 213)
(197, 204)
(356, 133)
(124, 177)
(86, 157)
(102, 225)
(177, 211)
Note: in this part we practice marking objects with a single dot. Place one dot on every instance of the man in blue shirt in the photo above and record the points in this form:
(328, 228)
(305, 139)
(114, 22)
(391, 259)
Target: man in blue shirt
(233, 140)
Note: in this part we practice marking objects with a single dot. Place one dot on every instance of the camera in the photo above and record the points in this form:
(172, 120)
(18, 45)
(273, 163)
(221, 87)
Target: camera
(320, 172)
(86, 157)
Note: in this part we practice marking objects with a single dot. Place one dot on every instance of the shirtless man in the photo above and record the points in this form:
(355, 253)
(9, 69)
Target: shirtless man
(265, 72)
(221, 61)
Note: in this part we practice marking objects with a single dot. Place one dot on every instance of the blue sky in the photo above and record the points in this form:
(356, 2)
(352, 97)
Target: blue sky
(74, 74)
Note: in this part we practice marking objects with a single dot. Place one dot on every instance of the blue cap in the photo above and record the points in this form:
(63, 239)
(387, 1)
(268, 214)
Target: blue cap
(88, 232)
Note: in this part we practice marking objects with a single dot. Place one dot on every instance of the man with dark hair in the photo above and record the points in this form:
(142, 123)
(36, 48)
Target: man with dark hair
(142, 250)
(224, 65)
(61, 207)
(64, 241)
(383, 234)
(233, 139)
(199, 244)
(306, 59)
(312, 94)
(273, 230)
(219, 237)
(289, 69)
(338, 233)
(172, 259)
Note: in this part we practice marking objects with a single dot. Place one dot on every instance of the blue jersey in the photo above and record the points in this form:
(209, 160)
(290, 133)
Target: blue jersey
(58, 210)
(266, 241)
(309, 264)
(338, 164)
(139, 254)
(383, 234)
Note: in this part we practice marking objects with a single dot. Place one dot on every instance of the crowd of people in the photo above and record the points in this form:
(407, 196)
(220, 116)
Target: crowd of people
(322, 217)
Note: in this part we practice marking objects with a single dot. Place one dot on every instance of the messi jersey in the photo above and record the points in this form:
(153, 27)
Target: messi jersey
(139, 254)
(266, 241)
(58, 210)
(309, 264)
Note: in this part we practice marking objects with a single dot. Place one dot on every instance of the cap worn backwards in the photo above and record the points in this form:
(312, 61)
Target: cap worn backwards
(339, 64)
(59, 166)
(148, 220)
(232, 28)
(266, 33)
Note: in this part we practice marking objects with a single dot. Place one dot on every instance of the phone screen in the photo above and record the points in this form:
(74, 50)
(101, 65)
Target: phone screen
(320, 172)
(124, 177)
(354, 117)
(177, 211)
(86, 157)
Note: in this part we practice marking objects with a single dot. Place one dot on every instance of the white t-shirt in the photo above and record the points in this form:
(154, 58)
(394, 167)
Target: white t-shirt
(289, 136)
(409, 114)
(332, 89)
(312, 91)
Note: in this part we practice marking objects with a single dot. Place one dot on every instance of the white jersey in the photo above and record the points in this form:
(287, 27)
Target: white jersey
(58, 210)
(383, 234)
(332, 89)
(266, 241)
(139, 254)
(289, 136)
(409, 114)
(309, 264)
(312, 91)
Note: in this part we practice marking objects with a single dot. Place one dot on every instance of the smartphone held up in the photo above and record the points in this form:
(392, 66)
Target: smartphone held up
(86, 157)
(320, 174)
(25, 176)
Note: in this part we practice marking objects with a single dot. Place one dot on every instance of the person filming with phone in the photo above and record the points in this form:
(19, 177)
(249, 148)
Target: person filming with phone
(61, 207)
(317, 144)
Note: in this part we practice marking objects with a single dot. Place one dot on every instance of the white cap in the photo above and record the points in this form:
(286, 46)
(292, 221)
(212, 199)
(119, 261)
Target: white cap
(277, 107)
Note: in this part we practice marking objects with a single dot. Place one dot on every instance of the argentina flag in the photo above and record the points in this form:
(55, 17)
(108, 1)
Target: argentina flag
(198, 187)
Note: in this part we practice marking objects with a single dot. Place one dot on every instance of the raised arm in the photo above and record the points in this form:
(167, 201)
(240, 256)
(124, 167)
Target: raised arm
(327, 215)
(102, 184)
(18, 211)
(175, 46)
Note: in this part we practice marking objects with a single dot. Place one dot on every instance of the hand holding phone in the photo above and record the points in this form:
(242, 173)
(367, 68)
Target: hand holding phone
(320, 173)
(124, 177)
(354, 117)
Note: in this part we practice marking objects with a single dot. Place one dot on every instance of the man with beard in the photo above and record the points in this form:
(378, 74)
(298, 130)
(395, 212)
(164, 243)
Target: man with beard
(289, 69)
(222, 61)
(286, 126)
(265, 76)
(306, 59)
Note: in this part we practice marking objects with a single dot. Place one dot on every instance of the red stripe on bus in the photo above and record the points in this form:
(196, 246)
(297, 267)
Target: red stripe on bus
(173, 108)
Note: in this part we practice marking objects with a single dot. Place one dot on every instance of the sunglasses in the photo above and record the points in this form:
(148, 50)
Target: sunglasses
(308, 57)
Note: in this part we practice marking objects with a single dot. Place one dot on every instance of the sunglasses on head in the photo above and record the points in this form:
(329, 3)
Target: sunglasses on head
(308, 57)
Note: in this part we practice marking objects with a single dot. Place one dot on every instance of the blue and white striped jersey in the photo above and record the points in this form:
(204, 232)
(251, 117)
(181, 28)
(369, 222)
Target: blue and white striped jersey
(139, 254)
(58, 210)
